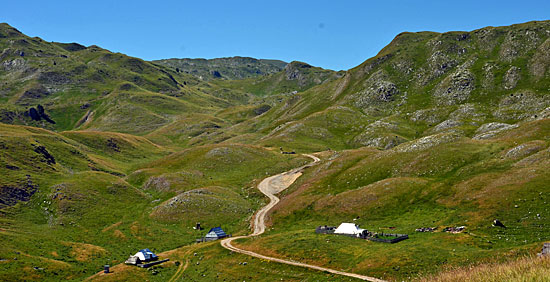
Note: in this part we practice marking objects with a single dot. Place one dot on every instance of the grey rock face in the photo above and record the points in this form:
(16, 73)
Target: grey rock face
(383, 142)
(524, 150)
(293, 71)
(450, 123)
(493, 126)
(490, 130)
(518, 43)
(378, 89)
(511, 78)
(385, 91)
(380, 134)
(159, 183)
(541, 60)
(518, 106)
(455, 88)
(431, 116)
(14, 65)
(32, 93)
(428, 141)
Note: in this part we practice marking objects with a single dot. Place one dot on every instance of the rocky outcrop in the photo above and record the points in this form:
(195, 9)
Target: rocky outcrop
(385, 142)
(32, 93)
(439, 63)
(430, 116)
(33, 113)
(22, 191)
(377, 89)
(447, 124)
(524, 150)
(261, 109)
(517, 43)
(488, 78)
(541, 60)
(490, 130)
(54, 78)
(14, 64)
(71, 47)
(157, 183)
(380, 134)
(455, 88)
(511, 78)
(44, 154)
(429, 141)
(294, 71)
(521, 105)
(216, 74)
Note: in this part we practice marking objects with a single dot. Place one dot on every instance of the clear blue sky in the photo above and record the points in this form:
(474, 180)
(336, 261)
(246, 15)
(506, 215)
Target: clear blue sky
(330, 34)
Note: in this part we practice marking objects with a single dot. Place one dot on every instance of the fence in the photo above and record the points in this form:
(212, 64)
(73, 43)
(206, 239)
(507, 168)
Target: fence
(365, 235)
(398, 238)
(325, 229)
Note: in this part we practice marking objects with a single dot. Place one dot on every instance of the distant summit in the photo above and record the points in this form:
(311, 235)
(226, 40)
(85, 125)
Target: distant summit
(229, 68)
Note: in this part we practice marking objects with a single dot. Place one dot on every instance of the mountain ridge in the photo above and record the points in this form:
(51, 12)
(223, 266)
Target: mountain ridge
(236, 67)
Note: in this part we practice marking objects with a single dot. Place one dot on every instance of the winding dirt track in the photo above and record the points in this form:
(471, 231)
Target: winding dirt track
(269, 187)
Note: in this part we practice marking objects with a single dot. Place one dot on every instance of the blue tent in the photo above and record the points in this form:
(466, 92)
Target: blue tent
(215, 233)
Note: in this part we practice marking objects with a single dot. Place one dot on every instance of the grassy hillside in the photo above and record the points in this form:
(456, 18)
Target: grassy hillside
(421, 84)
(461, 182)
(80, 87)
(74, 201)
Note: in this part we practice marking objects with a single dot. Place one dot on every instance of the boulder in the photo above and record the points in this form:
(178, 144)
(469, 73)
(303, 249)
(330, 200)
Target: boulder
(455, 88)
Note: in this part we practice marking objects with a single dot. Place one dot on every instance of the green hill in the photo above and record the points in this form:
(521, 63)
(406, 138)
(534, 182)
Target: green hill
(294, 78)
(421, 84)
(93, 88)
(75, 200)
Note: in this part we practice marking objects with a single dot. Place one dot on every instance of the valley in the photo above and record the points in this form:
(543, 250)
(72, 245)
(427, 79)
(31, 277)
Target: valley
(104, 154)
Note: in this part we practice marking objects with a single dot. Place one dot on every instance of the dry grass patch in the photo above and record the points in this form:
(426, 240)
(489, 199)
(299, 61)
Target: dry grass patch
(525, 269)
(112, 226)
(118, 234)
(85, 252)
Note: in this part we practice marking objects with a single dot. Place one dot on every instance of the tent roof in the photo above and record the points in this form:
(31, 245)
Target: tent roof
(348, 228)
(145, 254)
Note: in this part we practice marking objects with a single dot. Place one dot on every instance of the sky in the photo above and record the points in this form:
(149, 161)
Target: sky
(333, 34)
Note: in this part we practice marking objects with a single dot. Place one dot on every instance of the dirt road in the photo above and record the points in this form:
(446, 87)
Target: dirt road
(271, 186)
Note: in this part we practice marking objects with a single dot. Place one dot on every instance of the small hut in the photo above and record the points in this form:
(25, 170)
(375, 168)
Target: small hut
(215, 234)
(142, 256)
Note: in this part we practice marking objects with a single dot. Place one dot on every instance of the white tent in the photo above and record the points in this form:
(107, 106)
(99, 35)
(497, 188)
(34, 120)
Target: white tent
(146, 255)
(349, 229)
(140, 256)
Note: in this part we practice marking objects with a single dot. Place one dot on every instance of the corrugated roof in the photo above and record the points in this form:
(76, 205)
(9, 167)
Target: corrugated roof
(216, 232)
